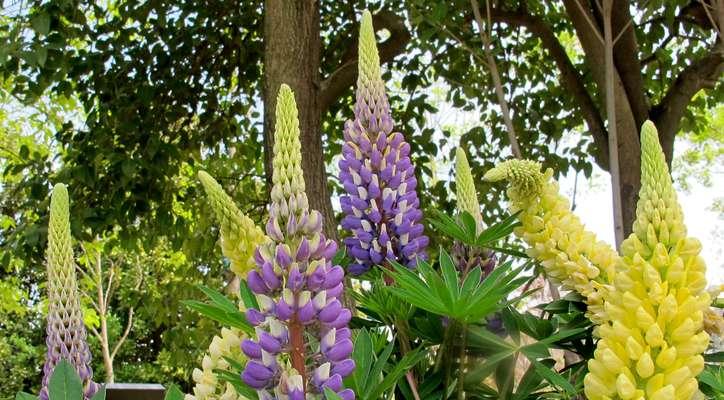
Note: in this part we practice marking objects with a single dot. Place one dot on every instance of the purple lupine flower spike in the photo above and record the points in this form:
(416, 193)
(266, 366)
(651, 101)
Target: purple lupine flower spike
(296, 287)
(66, 334)
(381, 206)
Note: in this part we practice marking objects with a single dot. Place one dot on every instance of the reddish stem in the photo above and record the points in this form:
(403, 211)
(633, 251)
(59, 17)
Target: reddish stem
(296, 337)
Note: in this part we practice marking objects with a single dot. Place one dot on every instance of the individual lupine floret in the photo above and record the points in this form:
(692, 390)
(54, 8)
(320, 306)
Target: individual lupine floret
(208, 385)
(239, 234)
(467, 257)
(302, 340)
(381, 206)
(652, 346)
(66, 334)
(569, 254)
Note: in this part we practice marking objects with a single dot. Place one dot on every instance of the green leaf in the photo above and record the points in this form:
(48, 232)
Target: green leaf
(400, 369)
(65, 383)
(553, 377)
(25, 396)
(41, 23)
(219, 299)
(363, 356)
(234, 318)
(247, 297)
(173, 393)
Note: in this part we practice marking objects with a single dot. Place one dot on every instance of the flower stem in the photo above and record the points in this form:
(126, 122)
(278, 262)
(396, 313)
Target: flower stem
(296, 337)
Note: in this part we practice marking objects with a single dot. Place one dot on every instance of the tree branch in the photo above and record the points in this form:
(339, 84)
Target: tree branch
(125, 334)
(343, 77)
(569, 76)
(702, 73)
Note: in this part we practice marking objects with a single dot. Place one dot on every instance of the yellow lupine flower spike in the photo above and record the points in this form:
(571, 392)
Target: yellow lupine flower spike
(239, 234)
(569, 254)
(652, 348)
(208, 385)
(467, 196)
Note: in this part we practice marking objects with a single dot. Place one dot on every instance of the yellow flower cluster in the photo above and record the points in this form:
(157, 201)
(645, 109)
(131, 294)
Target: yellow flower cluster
(239, 238)
(652, 346)
(467, 196)
(650, 303)
(208, 386)
(569, 254)
(239, 234)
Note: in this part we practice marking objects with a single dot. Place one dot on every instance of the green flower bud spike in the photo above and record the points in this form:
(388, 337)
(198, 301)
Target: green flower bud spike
(467, 196)
(569, 254)
(239, 234)
(652, 345)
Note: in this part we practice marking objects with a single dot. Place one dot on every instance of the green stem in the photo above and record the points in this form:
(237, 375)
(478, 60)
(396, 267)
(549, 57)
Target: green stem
(462, 367)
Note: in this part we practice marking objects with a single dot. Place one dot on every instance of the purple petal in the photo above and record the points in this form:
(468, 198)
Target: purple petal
(343, 368)
(340, 351)
(256, 283)
(251, 348)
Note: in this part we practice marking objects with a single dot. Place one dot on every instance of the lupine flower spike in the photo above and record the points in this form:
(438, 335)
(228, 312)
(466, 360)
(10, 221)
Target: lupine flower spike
(207, 385)
(652, 346)
(239, 238)
(381, 206)
(66, 334)
(467, 201)
(239, 234)
(569, 254)
(302, 340)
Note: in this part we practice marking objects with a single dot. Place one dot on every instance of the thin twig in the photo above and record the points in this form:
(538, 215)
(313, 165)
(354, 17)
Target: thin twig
(495, 75)
(593, 26)
(123, 338)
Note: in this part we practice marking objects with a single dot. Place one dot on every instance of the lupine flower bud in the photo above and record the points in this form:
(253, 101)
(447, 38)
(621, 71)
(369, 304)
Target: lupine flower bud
(467, 257)
(66, 334)
(569, 254)
(653, 343)
(239, 234)
(381, 206)
(296, 287)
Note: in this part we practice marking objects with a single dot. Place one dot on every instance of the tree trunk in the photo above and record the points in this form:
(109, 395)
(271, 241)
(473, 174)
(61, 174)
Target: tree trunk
(292, 56)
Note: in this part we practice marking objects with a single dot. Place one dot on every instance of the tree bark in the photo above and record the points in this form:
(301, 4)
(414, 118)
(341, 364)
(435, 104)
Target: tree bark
(627, 129)
(292, 56)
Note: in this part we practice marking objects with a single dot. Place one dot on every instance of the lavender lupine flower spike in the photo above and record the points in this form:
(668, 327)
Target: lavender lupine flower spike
(66, 334)
(381, 206)
(296, 286)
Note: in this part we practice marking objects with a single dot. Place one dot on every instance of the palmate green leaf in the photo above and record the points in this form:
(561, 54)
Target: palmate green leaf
(65, 383)
(448, 226)
(497, 231)
(235, 319)
(442, 294)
